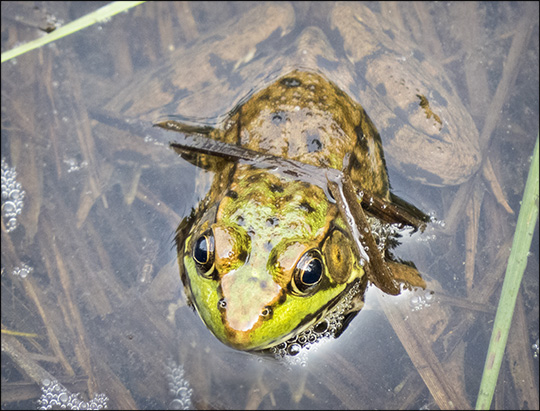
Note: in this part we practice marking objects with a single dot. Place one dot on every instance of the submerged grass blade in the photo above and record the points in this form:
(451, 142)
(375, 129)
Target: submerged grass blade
(517, 262)
(97, 16)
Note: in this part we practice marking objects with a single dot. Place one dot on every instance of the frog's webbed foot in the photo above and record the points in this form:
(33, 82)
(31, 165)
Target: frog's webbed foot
(406, 274)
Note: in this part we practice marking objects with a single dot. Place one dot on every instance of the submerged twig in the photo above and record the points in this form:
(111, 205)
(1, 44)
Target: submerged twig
(434, 373)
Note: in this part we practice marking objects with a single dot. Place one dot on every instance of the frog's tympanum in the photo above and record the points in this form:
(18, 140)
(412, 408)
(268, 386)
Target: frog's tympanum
(269, 258)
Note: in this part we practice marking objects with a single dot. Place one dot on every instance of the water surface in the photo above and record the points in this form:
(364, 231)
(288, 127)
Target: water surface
(91, 294)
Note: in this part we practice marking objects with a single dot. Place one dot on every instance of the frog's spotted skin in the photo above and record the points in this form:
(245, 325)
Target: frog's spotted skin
(304, 117)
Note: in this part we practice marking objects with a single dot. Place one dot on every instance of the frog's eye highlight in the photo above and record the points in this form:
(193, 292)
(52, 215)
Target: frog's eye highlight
(203, 253)
(307, 273)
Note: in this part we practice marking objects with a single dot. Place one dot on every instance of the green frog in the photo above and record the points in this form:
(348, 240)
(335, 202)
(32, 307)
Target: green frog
(267, 256)
(271, 262)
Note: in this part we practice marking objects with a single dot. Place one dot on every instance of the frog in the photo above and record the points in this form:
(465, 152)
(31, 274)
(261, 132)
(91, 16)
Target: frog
(269, 261)
(268, 256)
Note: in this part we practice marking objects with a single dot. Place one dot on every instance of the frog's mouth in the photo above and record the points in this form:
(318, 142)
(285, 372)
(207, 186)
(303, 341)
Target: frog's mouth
(328, 322)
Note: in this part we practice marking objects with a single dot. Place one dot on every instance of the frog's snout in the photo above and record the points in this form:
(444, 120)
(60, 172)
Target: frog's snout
(246, 300)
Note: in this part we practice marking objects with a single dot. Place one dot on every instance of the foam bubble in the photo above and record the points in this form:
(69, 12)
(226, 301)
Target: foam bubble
(178, 387)
(55, 395)
(12, 196)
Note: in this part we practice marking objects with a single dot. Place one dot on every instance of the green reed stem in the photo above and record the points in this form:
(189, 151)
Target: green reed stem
(97, 16)
(517, 262)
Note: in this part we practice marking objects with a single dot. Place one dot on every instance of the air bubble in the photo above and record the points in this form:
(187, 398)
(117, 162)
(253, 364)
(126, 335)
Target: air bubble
(181, 392)
(294, 349)
(176, 404)
(321, 327)
(324, 329)
(8, 207)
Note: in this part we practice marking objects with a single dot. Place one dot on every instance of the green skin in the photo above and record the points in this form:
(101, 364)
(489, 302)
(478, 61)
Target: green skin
(263, 224)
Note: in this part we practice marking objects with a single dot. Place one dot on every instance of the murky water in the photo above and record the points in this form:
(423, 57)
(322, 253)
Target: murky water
(91, 295)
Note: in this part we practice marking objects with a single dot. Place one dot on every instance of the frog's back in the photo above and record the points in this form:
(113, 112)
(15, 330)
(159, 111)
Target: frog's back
(304, 117)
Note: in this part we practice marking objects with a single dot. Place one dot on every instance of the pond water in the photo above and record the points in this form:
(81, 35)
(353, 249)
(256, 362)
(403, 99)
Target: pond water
(92, 196)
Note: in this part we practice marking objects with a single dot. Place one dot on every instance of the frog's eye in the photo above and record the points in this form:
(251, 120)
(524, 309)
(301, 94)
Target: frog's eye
(307, 273)
(203, 253)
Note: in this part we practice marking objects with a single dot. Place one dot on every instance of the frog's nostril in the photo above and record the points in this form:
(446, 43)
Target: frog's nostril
(277, 118)
(290, 82)
(267, 312)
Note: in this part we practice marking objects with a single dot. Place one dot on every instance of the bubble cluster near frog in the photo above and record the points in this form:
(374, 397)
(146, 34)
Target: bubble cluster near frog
(268, 261)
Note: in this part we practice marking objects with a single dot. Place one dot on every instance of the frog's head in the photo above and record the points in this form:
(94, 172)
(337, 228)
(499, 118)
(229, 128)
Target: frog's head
(267, 261)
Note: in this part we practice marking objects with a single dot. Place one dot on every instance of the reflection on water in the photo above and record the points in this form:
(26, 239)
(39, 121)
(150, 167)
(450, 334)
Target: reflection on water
(101, 308)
